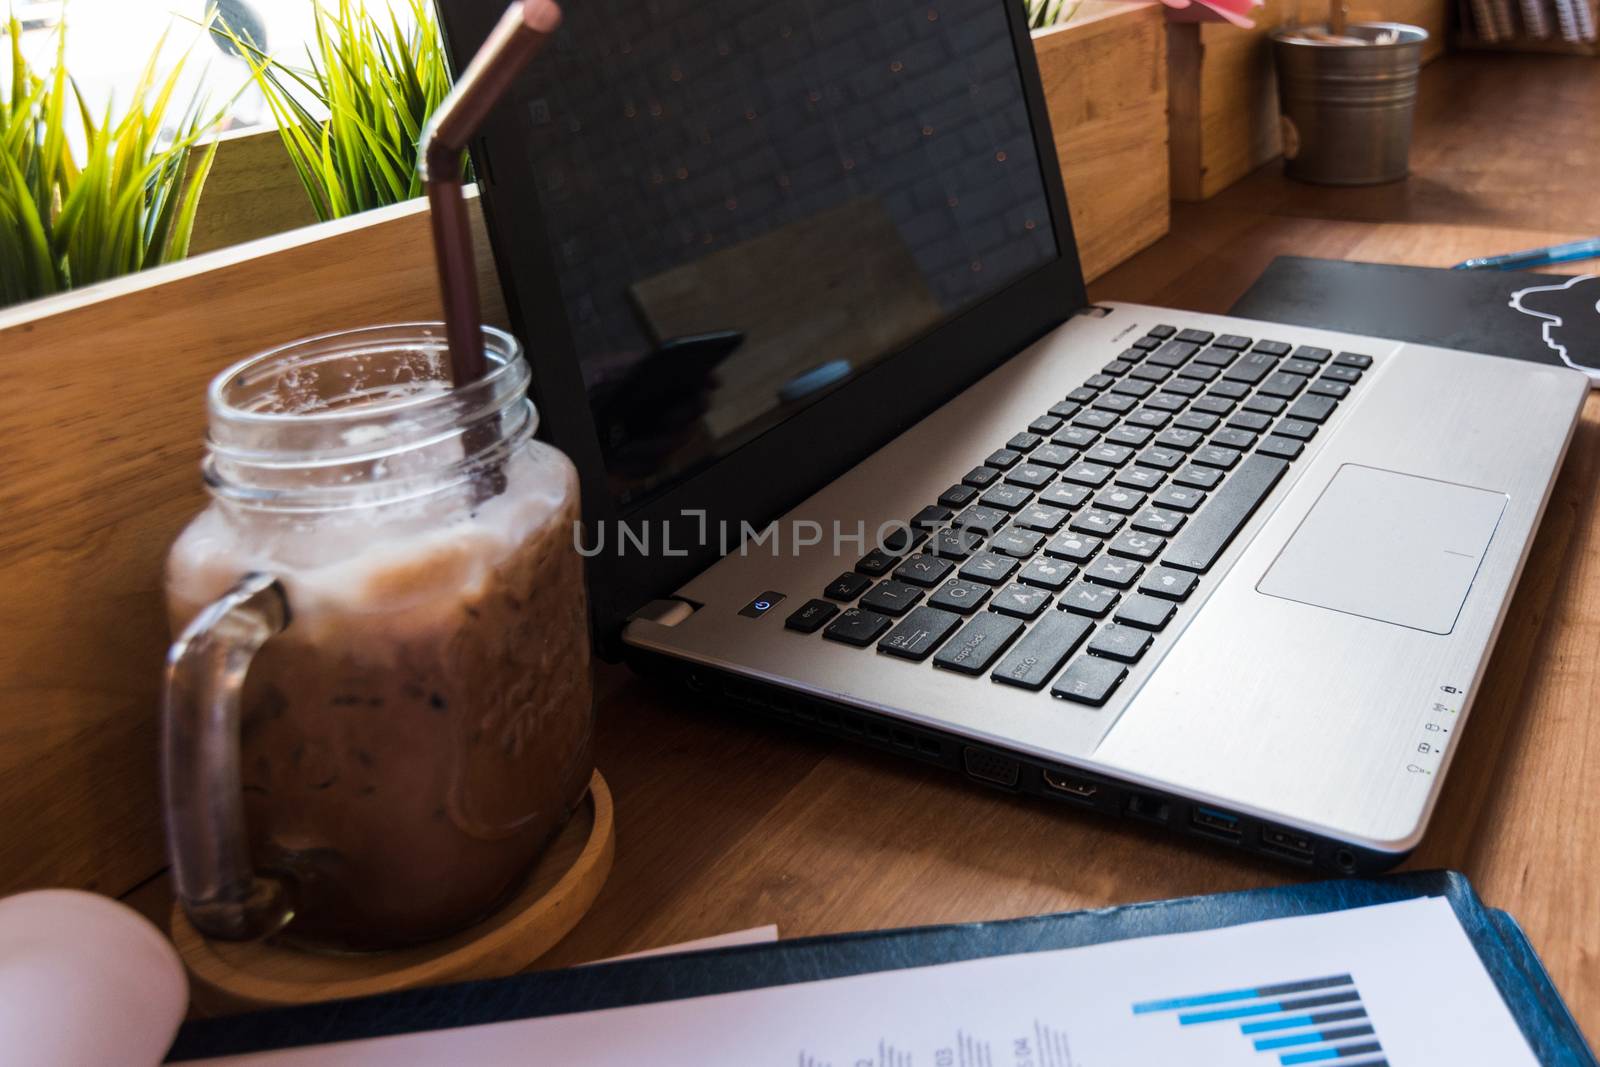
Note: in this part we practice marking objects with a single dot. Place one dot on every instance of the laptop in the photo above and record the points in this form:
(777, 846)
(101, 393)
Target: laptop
(800, 293)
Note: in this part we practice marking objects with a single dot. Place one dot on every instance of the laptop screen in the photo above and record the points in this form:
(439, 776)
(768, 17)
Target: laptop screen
(748, 204)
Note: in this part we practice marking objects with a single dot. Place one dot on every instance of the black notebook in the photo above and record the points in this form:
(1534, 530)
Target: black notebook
(1545, 318)
(774, 999)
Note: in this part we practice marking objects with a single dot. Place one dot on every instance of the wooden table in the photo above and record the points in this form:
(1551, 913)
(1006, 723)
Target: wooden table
(723, 824)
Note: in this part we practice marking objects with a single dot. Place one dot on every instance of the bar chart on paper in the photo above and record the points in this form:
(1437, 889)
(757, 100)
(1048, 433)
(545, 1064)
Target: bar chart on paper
(1042, 1045)
(1314, 1020)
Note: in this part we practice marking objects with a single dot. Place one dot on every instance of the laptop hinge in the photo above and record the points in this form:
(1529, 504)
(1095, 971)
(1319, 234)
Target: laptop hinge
(1093, 310)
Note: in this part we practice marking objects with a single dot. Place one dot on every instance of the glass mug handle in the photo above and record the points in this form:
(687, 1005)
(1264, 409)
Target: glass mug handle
(202, 794)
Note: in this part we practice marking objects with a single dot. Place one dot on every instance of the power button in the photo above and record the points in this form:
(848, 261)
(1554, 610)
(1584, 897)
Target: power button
(761, 605)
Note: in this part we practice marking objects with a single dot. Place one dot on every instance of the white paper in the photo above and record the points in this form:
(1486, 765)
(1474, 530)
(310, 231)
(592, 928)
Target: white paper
(1411, 970)
(756, 935)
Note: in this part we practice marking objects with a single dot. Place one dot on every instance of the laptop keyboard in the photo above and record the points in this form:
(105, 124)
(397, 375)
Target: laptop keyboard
(1061, 557)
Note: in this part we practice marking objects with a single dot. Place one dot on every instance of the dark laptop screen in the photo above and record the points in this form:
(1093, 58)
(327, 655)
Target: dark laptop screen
(750, 203)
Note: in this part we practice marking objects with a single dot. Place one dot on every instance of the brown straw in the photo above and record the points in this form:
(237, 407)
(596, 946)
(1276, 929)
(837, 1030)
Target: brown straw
(515, 40)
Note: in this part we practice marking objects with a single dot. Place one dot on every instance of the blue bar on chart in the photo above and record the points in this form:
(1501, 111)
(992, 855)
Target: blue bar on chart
(1309, 1021)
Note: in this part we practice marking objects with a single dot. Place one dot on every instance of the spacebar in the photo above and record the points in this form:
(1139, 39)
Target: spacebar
(1197, 547)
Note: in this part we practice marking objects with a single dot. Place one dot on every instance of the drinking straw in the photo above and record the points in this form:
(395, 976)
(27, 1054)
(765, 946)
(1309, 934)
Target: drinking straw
(521, 32)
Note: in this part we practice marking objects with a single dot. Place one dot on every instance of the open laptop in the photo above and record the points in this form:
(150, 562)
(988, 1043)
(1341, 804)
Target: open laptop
(800, 293)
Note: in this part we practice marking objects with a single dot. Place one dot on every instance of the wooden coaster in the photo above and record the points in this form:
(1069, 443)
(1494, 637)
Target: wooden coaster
(240, 975)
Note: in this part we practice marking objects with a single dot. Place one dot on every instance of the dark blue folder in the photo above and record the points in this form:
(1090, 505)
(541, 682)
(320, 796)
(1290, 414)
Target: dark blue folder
(1505, 951)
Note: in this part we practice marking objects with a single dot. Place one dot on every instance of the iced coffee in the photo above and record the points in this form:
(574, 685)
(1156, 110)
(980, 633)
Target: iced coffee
(419, 727)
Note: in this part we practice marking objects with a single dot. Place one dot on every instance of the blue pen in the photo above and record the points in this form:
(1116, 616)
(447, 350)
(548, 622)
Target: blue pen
(1535, 257)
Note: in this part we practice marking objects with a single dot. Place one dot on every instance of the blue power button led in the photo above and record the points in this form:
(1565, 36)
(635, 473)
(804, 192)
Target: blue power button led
(761, 605)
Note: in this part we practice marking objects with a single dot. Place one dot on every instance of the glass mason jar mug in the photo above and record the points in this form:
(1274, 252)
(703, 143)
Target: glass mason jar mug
(379, 708)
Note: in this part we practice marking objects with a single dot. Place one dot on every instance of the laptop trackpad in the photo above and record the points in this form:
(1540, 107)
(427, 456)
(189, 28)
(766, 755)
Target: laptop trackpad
(1388, 546)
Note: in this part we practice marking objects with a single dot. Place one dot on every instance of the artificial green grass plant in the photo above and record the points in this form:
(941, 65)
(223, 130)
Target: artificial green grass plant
(352, 117)
(130, 204)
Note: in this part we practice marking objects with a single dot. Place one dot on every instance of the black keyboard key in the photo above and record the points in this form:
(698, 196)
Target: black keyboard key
(990, 568)
(1215, 456)
(1145, 612)
(1062, 495)
(1112, 571)
(1211, 404)
(1098, 382)
(1250, 368)
(847, 587)
(1196, 337)
(1173, 354)
(1137, 546)
(1130, 436)
(1044, 425)
(957, 496)
(1118, 498)
(1347, 375)
(1047, 573)
(1140, 478)
(1199, 421)
(1272, 348)
(1030, 475)
(955, 544)
(1199, 372)
(856, 627)
(1148, 373)
(1352, 359)
(1090, 680)
(1002, 458)
(981, 519)
(1138, 388)
(1179, 497)
(1041, 517)
(1004, 497)
(1230, 390)
(1020, 601)
(919, 633)
(1296, 428)
(1157, 521)
(877, 563)
(1095, 419)
(1313, 408)
(1065, 409)
(1287, 447)
(891, 597)
(1162, 459)
(1097, 522)
(1181, 439)
(1240, 439)
(1216, 357)
(1109, 454)
(1116, 403)
(1165, 402)
(901, 539)
(1042, 650)
(1282, 384)
(1027, 442)
(1250, 421)
(1303, 367)
(1313, 354)
(1163, 331)
(979, 642)
(1118, 367)
(960, 596)
(1053, 456)
(1075, 437)
(1144, 344)
(1093, 475)
(811, 615)
(1151, 418)
(1085, 598)
(1168, 584)
(923, 570)
(1265, 405)
(980, 476)
(1232, 340)
(932, 516)
(1073, 547)
(1019, 544)
(1081, 395)
(1322, 387)
(1197, 547)
(1184, 387)
(1198, 477)
(1123, 643)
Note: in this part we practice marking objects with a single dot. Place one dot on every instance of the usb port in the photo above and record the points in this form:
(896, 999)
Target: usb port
(1215, 823)
(1081, 788)
(1290, 846)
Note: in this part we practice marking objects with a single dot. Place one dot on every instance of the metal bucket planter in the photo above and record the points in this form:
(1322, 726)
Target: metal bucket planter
(1347, 107)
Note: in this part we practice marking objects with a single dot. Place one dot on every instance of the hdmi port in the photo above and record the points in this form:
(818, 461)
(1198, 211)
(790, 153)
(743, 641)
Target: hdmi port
(1081, 788)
